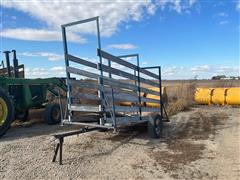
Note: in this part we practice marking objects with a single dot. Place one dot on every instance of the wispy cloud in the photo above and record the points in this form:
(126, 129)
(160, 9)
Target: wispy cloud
(201, 68)
(122, 46)
(57, 71)
(223, 22)
(49, 55)
(238, 5)
(177, 5)
(39, 35)
(222, 14)
(201, 71)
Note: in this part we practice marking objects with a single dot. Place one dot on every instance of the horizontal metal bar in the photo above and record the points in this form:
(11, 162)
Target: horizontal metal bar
(86, 96)
(126, 75)
(82, 72)
(128, 120)
(125, 63)
(84, 84)
(129, 55)
(117, 72)
(116, 85)
(82, 108)
(81, 61)
(72, 133)
(81, 21)
(150, 67)
(118, 97)
(87, 124)
(131, 109)
(92, 85)
(121, 120)
(119, 84)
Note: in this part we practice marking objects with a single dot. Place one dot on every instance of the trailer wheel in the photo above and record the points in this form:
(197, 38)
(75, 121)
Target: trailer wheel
(6, 112)
(52, 114)
(23, 116)
(155, 126)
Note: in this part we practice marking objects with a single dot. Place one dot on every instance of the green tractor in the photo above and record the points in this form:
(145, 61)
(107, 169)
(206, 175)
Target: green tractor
(18, 95)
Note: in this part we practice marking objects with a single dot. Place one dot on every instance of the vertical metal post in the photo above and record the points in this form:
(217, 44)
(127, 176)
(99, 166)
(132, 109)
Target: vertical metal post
(160, 91)
(135, 82)
(69, 98)
(113, 101)
(139, 88)
(8, 62)
(15, 64)
(101, 93)
(60, 150)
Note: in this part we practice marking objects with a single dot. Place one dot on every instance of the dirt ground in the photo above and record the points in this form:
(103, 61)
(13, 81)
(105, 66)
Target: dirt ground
(201, 143)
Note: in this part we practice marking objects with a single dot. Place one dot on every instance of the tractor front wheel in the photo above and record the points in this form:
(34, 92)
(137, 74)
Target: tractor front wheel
(6, 112)
(52, 114)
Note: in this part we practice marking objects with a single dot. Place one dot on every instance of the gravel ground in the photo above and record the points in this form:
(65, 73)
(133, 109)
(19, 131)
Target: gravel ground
(202, 143)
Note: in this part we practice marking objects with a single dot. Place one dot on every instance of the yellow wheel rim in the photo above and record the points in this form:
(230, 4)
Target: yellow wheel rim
(3, 111)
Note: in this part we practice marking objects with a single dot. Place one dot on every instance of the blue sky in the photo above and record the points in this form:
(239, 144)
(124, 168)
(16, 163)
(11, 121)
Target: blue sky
(190, 38)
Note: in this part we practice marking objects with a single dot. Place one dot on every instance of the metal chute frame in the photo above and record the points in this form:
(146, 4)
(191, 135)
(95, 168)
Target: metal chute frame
(107, 87)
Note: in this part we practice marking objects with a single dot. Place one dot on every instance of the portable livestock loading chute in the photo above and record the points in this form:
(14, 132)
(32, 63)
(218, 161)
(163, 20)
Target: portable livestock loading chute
(114, 86)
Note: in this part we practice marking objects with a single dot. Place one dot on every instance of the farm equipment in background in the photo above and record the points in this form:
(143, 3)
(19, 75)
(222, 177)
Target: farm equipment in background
(18, 95)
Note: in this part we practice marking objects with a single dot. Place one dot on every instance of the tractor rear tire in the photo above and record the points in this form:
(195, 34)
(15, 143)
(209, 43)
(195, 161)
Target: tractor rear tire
(52, 114)
(6, 112)
(155, 126)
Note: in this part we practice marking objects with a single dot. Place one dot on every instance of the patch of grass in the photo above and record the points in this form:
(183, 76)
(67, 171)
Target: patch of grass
(180, 98)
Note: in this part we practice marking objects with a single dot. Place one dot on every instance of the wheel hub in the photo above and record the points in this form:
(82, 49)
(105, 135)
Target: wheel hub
(157, 126)
(3, 111)
(55, 114)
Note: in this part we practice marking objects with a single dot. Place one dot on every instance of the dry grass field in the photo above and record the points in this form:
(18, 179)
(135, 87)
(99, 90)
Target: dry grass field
(199, 142)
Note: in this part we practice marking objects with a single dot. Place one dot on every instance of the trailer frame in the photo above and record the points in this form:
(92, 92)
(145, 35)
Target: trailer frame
(112, 92)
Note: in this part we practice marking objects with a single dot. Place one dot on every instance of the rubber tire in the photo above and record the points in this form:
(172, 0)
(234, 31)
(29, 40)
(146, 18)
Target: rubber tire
(48, 116)
(10, 117)
(152, 123)
(23, 116)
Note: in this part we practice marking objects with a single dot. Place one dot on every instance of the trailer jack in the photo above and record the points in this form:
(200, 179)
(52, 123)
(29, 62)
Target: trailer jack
(61, 136)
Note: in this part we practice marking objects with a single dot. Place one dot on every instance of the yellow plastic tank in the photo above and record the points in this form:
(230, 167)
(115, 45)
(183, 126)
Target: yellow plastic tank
(233, 96)
(151, 96)
(126, 104)
(218, 96)
(203, 96)
(148, 96)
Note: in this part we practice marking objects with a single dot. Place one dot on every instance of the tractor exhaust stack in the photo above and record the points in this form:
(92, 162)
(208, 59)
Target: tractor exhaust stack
(15, 64)
(8, 62)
